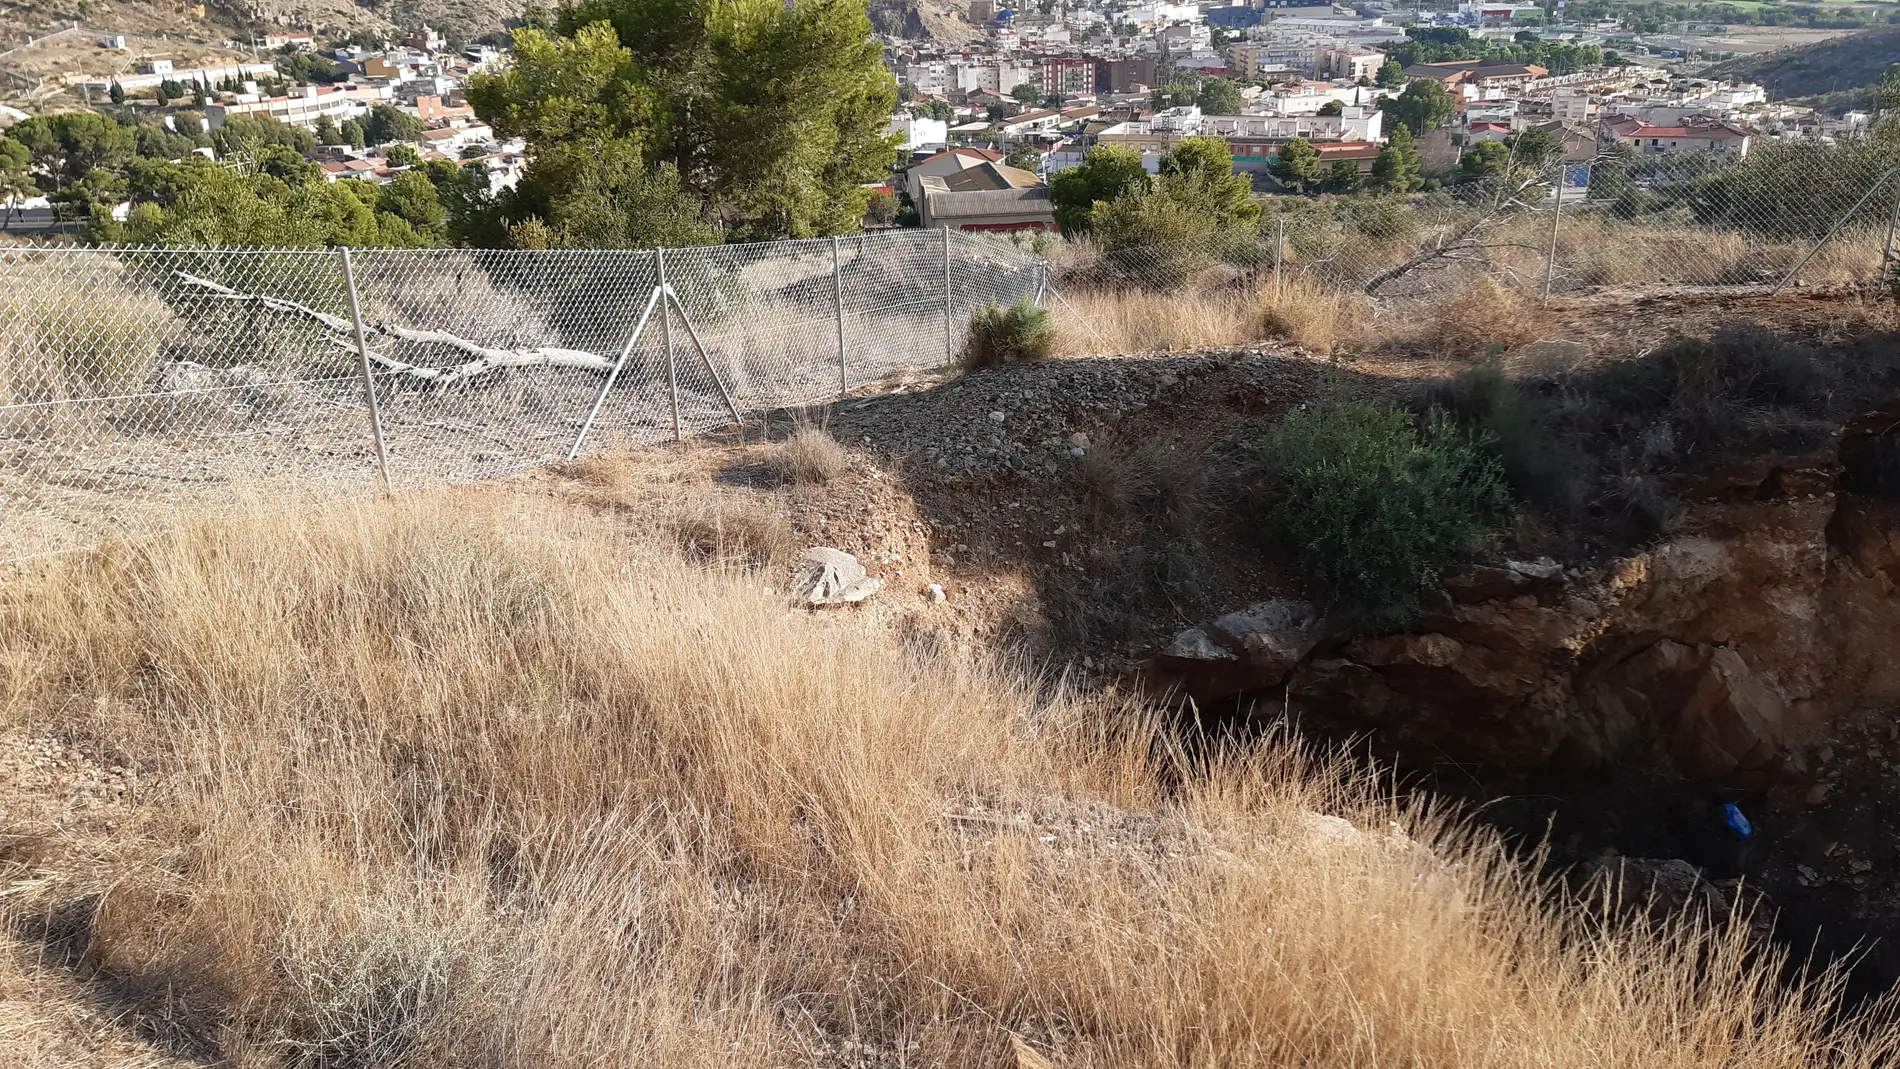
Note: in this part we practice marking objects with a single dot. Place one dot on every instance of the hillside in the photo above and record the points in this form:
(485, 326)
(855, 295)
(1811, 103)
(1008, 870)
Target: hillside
(1840, 64)
(219, 20)
(932, 20)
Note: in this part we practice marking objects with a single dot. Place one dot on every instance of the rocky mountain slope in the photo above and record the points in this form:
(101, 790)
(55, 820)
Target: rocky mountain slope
(928, 20)
(1840, 64)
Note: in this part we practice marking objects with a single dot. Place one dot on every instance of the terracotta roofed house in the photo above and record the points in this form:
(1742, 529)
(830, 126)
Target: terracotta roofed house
(1478, 72)
(1691, 139)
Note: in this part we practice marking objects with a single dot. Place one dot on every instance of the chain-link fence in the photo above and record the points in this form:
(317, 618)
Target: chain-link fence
(137, 380)
(1808, 212)
(134, 381)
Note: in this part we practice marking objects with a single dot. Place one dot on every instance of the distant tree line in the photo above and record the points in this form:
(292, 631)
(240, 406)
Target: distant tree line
(262, 190)
(1440, 44)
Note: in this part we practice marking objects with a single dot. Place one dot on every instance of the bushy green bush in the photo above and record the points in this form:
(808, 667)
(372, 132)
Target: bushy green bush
(1008, 334)
(1540, 465)
(1376, 504)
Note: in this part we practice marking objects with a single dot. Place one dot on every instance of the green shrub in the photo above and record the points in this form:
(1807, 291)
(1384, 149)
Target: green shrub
(1541, 463)
(1009, 334)
(1375, 505)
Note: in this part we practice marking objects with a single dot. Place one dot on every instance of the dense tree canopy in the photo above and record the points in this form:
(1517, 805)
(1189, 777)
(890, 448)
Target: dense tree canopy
(1107, 172)
(1397, 168)
(675, 119)
(385, 124)
(1219, 96)
(1485, 160)
(1438, 44)
(261, 190)
(1297, 166)
(286, 202)
(1423, 107)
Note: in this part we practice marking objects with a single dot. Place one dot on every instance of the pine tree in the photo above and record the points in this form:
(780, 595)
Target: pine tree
(770, 117)
(1397, 168)
(1298, 165)
(116, 93)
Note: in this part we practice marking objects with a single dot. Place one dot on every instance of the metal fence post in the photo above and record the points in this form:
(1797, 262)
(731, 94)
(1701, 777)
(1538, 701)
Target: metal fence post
(1556, 218)
(1887, 274)
(837, 300)
(666, 332)
(949, 352)
(1835, 229)
(1279, 251)
(369, 378)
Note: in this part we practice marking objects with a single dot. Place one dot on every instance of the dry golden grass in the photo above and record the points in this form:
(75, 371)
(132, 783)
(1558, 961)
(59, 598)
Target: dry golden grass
(1481, 316)
(474, 779)
(1313, 316)
(811, 456)
(1142, 321)
(1138, 321)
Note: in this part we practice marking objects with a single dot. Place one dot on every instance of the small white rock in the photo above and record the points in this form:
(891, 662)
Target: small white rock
(996, 417)
(935, 592)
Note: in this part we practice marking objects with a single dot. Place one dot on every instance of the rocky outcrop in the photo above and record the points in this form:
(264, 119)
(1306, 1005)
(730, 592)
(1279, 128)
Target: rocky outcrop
(1771, 612)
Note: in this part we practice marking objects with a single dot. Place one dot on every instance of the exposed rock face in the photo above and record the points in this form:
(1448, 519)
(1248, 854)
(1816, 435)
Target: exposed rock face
(1247, 650)
(1772, 612)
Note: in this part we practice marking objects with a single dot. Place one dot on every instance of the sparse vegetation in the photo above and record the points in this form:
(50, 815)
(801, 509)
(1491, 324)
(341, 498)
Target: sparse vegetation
(811, 456)
(467, 778)
(107, 344)
(1475, 320)
(1375, 506)
(1590, 447)
(1008, 334)
(1323, 320)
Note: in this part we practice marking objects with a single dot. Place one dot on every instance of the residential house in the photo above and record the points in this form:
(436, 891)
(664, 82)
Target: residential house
(1030, 122)
(943, 164)
(1572, 105)
(1689, 140)
(989, 196)
(1580, 142)
(1478, 73)
(918, 134)
(302, 108)
(1351, 64)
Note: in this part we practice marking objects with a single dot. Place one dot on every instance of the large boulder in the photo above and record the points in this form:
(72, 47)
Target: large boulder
(1270, 636)
(1733, 721)
(1248, 650)
(832, 577)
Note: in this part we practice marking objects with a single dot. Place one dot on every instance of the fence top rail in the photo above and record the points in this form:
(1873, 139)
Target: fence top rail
(110, 248)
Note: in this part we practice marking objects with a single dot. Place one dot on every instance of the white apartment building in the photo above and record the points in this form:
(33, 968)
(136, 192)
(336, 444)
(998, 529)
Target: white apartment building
(919, 135)
(1348, 62)
(1184, 37)
(190, 76)
(1286, 55)
(1160, 14)
(303, 108)
(1354, 123)
(1572, 105)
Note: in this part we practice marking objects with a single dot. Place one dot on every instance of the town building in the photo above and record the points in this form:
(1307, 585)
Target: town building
(1688, 140)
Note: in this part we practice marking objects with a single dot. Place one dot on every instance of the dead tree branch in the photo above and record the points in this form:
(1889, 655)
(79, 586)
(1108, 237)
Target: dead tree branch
(486, 358)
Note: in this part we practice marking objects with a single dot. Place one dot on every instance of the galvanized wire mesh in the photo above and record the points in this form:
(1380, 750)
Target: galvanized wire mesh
(136, 381)
(1814, 213)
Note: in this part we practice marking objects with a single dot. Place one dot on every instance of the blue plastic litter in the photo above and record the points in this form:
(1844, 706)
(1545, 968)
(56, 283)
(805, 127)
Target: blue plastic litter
(1738, 823)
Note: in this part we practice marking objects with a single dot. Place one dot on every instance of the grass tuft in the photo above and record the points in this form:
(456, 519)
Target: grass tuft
(1009, 334)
